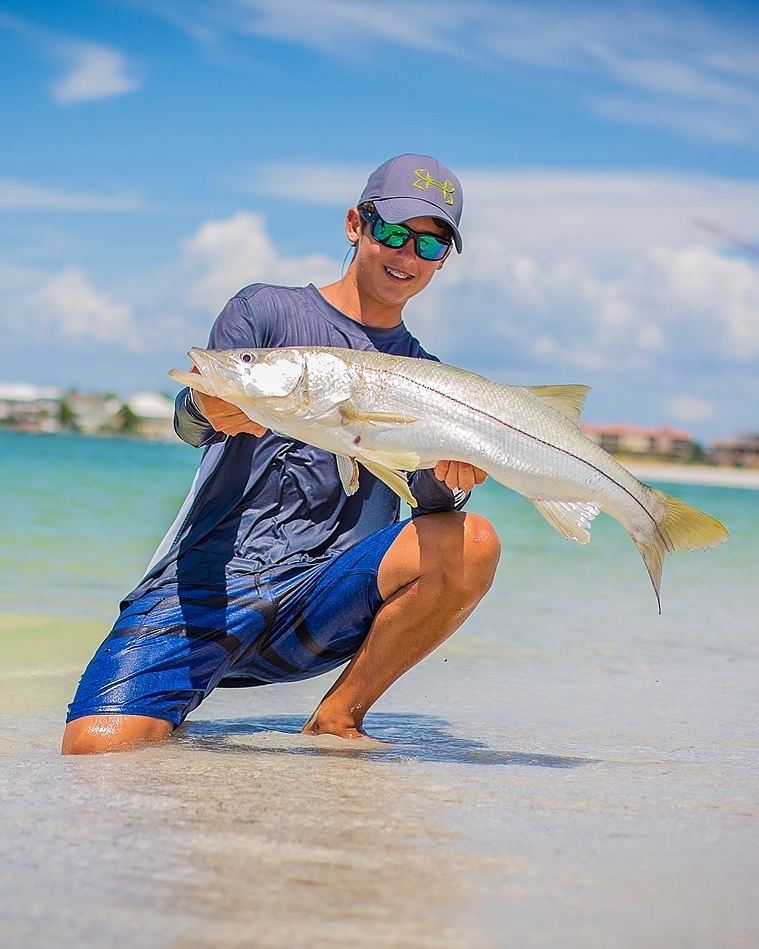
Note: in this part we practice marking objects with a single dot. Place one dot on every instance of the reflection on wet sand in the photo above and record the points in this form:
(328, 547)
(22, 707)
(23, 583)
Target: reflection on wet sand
(274, 843)
(399, 737)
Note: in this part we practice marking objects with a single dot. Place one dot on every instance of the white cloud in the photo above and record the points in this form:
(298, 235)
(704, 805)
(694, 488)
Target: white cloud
(607, 216)
(685, 69)
(691, 120)
(22, 196)
(94, 72)
(720, 296)
(667, 308)
(690, 408)
(326, 25)
(68, 306)
(564, 278)
(227, 254)
(310, 183)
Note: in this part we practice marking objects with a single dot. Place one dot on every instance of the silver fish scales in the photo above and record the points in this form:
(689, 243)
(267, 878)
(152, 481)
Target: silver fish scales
(393, 414)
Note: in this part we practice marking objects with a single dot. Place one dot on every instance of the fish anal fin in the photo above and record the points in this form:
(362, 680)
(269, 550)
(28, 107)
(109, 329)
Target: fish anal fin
(348, 471)
(569, 400)
(393, 479)
(570, 518)
(351, 414)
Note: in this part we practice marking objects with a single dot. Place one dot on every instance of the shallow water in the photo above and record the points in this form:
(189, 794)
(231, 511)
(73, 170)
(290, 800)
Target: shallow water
(570, 769)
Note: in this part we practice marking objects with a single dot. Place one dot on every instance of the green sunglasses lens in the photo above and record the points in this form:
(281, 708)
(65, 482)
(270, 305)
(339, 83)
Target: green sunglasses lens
(430, 247)
(393, 235)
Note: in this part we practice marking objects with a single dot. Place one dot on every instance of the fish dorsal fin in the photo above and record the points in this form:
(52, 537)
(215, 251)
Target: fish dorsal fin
(569, 400)
(348, 471)
(393, 479)
(570, 518)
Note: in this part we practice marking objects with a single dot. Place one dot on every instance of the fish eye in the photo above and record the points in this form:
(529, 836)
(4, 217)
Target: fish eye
(246, 357)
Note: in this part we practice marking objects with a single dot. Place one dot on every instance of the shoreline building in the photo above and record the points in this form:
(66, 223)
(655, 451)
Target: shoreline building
(670, 444)
(50, 410)
(30, 408)
(741, 451)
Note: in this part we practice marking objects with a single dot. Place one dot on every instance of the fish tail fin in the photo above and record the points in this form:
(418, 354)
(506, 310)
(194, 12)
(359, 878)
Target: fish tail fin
(680, 527)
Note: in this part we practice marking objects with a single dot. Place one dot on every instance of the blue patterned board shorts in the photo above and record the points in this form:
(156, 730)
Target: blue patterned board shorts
(170, 648)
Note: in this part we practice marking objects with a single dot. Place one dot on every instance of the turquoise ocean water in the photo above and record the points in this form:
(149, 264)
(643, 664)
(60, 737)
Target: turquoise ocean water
(82, 516)
(570, 769)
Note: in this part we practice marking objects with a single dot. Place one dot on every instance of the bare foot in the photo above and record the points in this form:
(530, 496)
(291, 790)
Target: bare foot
(344, 726)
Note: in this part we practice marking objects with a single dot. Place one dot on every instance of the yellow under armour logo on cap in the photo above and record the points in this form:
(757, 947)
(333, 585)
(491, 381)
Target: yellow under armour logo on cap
(424, 179)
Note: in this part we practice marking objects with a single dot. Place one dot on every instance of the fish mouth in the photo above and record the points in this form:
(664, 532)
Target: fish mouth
(199, 358)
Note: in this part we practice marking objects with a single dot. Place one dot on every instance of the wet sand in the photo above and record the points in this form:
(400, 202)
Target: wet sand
(524, 797)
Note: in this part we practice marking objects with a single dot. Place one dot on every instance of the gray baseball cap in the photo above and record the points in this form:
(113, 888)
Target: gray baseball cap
(416, 186)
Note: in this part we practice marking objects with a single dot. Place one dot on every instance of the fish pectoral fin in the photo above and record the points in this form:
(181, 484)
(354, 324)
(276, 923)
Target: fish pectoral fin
(569, 400)
(193, 379)
(570, 518)
(393, 479)
(312, 415)
(387, 458)
(350, 414)
(389, 466)
(348, 471)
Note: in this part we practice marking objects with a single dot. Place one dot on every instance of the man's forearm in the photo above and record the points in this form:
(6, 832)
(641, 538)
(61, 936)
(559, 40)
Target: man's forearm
(190, 423)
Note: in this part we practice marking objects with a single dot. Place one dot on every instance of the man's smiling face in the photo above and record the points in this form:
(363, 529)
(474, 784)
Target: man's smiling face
(392, 275)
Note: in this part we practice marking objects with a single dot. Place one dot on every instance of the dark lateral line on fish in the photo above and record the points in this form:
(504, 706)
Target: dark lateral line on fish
(493, 418)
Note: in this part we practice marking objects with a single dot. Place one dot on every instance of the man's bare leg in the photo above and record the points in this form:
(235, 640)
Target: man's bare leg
(431, 578)
(95, 734)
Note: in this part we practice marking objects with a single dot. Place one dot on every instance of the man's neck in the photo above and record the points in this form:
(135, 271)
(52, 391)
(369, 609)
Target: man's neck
(345, 297)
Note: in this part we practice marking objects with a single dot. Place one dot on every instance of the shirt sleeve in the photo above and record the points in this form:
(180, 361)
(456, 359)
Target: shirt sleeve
(434, 496)
(236, 327)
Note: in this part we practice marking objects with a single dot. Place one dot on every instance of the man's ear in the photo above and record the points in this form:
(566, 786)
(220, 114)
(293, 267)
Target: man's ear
(353, 225)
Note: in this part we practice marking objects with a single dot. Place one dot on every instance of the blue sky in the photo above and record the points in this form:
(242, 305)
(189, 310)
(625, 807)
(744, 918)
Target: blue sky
(160, 154)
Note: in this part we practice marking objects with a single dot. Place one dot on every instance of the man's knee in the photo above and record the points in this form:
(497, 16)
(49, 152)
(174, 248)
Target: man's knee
(96, 734)
(481, 551)
(465, 549)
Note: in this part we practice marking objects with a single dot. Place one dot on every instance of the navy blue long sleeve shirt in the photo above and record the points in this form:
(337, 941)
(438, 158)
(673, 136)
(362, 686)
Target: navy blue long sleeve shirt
(264, 504)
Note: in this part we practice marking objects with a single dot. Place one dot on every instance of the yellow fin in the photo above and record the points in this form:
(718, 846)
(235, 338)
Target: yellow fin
(569, 400)
(351, 414)
(395, 460)
(681, 528)
(393, 479)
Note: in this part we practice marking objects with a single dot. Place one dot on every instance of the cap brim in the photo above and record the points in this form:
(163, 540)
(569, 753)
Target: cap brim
(395, 210)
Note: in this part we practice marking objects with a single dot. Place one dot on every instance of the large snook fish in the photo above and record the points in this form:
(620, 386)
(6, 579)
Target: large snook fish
(395, 414)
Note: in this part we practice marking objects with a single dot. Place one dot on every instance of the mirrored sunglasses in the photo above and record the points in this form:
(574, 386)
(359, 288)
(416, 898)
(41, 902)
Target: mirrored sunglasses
(427, 246)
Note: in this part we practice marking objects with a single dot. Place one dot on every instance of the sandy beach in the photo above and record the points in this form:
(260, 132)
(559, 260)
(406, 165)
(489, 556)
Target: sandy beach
(695, 474)
(571, 769)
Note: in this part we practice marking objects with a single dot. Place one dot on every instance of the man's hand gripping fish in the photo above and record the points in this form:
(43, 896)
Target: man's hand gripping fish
(394, 414)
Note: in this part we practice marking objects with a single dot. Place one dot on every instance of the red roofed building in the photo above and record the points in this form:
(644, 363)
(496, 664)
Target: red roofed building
(663, 442)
